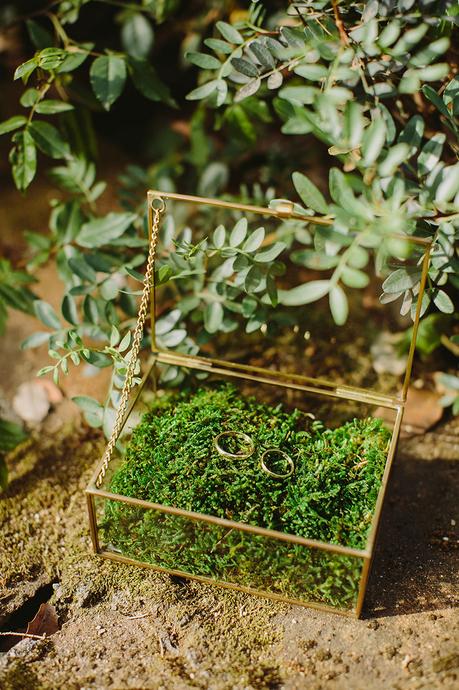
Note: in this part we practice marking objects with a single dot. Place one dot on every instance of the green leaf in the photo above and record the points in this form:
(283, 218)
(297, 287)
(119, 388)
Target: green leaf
(402, 279)
(203, 91)
(3, 474)
(69, 310)
(115, 336)
(35, 340)
(451, 94)
(108, 76)
(339, 189)
(304, 294)
(301, 95)
(173, 338)
(102, 231)
(48, 139)
(12, 123)
(11, 434)
(353, 124)
(395, 157)
(339, 306)
(46, 314)
(312, 72)
(389, 34)
(23, 159)
(213, 317)
(373, 141)
(443, 302)
(239, 232)
(51, 58)
(92, 410)
(357, 257)
(203, 60)
(219, 237)
(354, 278)
(435, 72)
(309, 194)
(40, 37)
(431, 153)
(432, 51)
(218, 45)
(254, 241)
(272, 290)
(137, 35)
(314, 260)
(434, 98)
(51, 107)
(271, 253)
(146, 81)
(450, 381)
(82, 269)
(245, 67)
(163, 275)
(247, 90)
(25, 70)
(29, 98)
(229, 33)
(412, 133)
(166, 323)
(449, 184)
(409, 39)
(75, 59)
(262, 54)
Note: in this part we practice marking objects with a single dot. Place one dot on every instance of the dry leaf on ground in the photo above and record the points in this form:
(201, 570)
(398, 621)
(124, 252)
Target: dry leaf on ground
(45, 621)
(422, 411)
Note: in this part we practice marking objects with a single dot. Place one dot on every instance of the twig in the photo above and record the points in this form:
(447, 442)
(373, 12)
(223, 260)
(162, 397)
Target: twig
(339, 23)
(140, 615)
(16, 634)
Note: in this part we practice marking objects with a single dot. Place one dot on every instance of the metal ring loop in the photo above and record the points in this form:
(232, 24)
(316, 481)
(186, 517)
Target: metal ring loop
(290, 463)
(158, 204)
(234, 434)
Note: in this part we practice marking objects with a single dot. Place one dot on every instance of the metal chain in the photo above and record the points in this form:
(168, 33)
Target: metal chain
(136, 340)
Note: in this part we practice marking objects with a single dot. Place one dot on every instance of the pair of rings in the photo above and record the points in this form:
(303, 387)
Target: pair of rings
(249, 445)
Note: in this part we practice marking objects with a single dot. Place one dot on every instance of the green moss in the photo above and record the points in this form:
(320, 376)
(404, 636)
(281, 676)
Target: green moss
(20, 676)
(171, 460)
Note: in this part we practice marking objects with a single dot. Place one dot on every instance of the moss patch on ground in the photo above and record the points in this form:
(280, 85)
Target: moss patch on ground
(171, 460)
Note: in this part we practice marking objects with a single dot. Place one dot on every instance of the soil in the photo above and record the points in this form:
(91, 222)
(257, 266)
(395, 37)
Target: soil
(123, 627)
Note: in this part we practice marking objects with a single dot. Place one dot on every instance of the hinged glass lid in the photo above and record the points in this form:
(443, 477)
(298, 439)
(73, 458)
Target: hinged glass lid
(273, 288)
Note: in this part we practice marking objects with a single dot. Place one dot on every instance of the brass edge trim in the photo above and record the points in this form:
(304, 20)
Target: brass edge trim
(363, 586)
(248, 208)
(230, 369)
(230, 524)
(140, 387)
(264, 211)
(417, 318)
(229, 585)
(153, 286)
(384, 482)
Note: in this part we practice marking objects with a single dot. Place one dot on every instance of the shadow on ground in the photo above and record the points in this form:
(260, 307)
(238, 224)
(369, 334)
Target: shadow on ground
(416, 559)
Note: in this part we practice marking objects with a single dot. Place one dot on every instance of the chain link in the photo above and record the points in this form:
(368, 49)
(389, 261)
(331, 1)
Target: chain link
(136, 340)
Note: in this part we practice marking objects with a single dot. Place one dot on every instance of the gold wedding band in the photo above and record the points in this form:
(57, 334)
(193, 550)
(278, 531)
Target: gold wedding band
(245, 438)
(290, 463)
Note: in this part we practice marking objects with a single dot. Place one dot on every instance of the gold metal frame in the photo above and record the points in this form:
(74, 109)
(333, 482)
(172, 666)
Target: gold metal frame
(296, 382)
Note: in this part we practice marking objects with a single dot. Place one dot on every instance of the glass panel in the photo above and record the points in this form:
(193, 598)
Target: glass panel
(229, 555)
(256, 453)
(237, 291)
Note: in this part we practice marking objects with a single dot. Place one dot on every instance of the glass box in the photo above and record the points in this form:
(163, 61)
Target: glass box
(287, 564)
